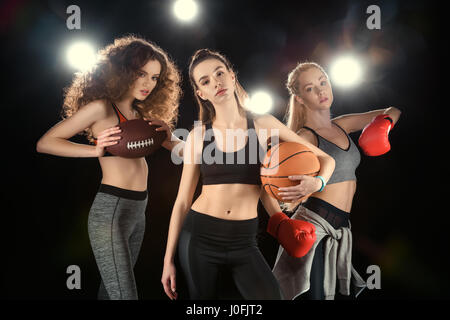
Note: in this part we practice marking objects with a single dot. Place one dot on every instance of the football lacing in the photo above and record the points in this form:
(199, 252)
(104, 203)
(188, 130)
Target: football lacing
(139, 144)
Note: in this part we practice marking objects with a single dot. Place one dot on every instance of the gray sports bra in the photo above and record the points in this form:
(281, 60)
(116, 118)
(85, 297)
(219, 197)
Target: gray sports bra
(346, 160)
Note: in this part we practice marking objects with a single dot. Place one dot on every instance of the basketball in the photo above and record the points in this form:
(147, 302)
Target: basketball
(284, 160)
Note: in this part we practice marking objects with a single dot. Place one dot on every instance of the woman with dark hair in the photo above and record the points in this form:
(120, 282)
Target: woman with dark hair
(133, 79)
(218, 231)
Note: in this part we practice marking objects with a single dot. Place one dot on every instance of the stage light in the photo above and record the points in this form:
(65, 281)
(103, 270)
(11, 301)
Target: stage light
(185, 10)
(260, 102)
(81, 56)
(346, 71)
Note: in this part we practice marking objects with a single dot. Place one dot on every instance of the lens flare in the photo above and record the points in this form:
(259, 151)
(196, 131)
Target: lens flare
(260, 102)
(185, 10)
(346, 71)
(81, 56)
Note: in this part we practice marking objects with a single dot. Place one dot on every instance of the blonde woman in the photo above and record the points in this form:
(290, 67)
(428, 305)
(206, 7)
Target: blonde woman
(328, 264)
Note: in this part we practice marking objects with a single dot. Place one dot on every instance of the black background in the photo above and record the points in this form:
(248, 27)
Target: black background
(399, 220)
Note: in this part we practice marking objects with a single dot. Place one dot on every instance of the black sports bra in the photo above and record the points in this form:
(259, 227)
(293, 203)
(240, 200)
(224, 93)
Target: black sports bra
(241, 166)
(121, 119)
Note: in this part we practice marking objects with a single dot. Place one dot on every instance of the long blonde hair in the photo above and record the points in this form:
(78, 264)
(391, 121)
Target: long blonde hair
(296, 113)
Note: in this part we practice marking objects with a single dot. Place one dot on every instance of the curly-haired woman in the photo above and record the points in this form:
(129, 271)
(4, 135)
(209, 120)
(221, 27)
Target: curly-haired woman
(133, 79)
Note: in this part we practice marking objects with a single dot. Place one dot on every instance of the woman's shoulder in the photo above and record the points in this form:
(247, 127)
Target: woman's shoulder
(197, 127)
(99, 111)
(197, 133)
(194, 139)
(309, 135)
(261, 119)
(101, 106)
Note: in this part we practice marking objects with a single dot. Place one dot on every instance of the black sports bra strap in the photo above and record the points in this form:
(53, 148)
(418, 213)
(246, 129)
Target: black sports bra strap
(209, 135)
(308, 128)
(315, 133)
(116, 111)
(250, 124)
(209, 129)
(339, 127)
(251, 128)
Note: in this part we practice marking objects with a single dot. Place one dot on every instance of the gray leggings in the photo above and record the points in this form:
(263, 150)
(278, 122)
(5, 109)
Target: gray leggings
(116, 227)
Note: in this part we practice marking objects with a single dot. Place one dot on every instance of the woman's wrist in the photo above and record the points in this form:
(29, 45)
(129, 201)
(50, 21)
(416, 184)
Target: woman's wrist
(95, 152)
(321, 182)
(171, 141)
(168, 259)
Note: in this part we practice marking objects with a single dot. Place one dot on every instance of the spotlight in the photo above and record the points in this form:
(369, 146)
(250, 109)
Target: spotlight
(260, 102)
(185, 10)
(346, 71)
(81, 56)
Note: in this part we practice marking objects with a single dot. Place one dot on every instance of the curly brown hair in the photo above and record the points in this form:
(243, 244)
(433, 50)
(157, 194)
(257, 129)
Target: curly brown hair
(115, 72)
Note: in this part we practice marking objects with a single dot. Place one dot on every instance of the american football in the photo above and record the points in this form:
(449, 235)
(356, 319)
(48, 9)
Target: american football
(139, 139)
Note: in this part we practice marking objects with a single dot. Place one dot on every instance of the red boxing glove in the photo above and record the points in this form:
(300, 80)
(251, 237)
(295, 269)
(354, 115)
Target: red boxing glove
(374, 139)
(296, 236)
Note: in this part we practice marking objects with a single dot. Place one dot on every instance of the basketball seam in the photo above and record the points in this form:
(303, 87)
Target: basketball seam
(284, 159)
(303, 174)
(270, 185)
(272, 150)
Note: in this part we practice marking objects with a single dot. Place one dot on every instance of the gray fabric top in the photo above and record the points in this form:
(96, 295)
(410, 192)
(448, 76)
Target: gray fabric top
(347, 160)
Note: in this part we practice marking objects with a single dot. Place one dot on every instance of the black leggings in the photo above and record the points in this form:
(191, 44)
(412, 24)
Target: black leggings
(337, 218)
(207, 246)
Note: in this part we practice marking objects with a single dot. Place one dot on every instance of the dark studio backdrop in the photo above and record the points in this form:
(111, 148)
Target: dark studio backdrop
(397, 220)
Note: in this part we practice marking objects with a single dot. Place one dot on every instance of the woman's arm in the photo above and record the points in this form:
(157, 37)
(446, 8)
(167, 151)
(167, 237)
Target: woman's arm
(172, 142)
(175, 144)
(327, 163)
(186, 189)
(270, 204)
(357, 121)
(295, 236)
(56, 140)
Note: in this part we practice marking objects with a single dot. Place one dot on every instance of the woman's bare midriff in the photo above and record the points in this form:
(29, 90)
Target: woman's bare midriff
(125, 173)
(338, 194)
(130, 174)
(228, 201)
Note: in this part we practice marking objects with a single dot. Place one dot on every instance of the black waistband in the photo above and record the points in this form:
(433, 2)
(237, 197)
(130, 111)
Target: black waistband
(334, 216)
(123, 193)
(206, 224)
